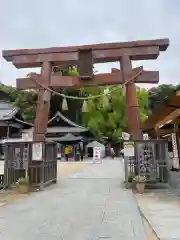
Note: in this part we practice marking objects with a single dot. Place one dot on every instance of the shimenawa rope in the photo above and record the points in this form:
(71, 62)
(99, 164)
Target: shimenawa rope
(84, 98)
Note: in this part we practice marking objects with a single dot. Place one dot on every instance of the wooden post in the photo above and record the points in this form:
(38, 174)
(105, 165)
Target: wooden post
(176, 130)
(131, 98)
(8, 131)
(43, 105)
(156, 129)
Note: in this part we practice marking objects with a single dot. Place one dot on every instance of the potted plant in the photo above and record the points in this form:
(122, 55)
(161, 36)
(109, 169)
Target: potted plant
(23, 185)
(140, 183)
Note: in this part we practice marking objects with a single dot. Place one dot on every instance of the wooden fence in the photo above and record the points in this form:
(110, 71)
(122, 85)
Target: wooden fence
(37, 160)
(150, 159)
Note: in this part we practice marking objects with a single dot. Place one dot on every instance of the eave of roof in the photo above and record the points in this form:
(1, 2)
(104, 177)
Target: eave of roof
(69, 122)
(7, 112)
(62, 130)
(170, 103)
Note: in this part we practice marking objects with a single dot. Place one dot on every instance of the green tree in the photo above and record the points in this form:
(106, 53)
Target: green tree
(111, 120)
(25, 100)
(159, 93)
(143, 97)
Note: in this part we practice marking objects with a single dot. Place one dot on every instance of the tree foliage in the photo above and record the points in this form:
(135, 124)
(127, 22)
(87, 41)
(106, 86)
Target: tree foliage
(110, 119)
(25, 100)
(159, 93)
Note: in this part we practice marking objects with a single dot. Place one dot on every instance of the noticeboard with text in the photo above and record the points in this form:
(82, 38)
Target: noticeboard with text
(129, 149)
(37, 151)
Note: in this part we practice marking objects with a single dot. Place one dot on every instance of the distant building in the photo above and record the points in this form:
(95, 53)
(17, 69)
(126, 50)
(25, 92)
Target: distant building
(11, 119)
(59, 126)
(12, 124)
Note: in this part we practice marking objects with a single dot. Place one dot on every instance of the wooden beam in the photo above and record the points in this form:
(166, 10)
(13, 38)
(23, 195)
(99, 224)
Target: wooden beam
(99, 56)
(162, 132)
(161, 43)
(169, 118)
(76, 82)
(166, 131)
(151, 77)
(176, 121)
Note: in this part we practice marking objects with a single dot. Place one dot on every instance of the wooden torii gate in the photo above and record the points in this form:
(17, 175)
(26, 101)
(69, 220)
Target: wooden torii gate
(84, 57)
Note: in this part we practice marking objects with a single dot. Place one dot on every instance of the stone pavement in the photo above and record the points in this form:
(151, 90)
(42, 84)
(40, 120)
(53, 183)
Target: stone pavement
(63, 169)
(90, 205)
(162, 210)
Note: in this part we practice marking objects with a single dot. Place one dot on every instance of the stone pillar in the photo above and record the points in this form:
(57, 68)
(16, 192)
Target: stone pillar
(43, 105)
(131, 98)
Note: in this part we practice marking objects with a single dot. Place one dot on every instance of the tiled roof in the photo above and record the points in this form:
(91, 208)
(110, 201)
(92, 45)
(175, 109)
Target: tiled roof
(62, 130)
(66, 138)
(68, 122)
(71, 127)
(7, 111)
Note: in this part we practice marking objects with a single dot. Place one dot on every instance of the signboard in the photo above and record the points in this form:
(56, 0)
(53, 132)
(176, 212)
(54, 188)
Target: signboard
(20, 160)
(175, 151)
(97, 155)
(25, 156)
(145, 136)
(17, 158)
(129, 149)
(37, 152)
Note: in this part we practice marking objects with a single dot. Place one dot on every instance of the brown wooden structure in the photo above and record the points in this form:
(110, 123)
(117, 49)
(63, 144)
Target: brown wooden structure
(165, 118)
(163, 123)
(85, 57)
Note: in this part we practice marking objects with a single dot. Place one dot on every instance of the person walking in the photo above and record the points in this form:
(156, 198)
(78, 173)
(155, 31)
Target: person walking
(81, 148)
(67, 152)
(112, 152)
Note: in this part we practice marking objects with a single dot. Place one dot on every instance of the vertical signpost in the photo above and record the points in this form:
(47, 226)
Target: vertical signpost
(129, 153)
(175, 151)
(97, 155)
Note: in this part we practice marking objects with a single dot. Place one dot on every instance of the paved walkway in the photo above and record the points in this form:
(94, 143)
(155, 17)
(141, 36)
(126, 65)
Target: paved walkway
(90, 205)
(162, 209)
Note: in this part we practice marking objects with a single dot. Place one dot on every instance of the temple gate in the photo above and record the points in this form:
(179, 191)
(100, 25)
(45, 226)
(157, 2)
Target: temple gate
(85, 57)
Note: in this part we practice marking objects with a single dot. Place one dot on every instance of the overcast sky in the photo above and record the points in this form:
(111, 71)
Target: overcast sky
(45, 23)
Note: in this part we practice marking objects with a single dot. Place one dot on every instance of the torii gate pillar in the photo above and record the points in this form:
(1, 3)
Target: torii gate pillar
(131, 99)
(43, 105)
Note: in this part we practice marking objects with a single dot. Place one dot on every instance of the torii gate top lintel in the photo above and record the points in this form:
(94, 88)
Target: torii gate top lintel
(105, 52)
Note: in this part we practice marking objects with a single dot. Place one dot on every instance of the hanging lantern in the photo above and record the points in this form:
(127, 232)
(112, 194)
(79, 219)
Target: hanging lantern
(64, 104)
(84, 106)
(46, 96)
(105, 97)
(124, 90)
(106, 91)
